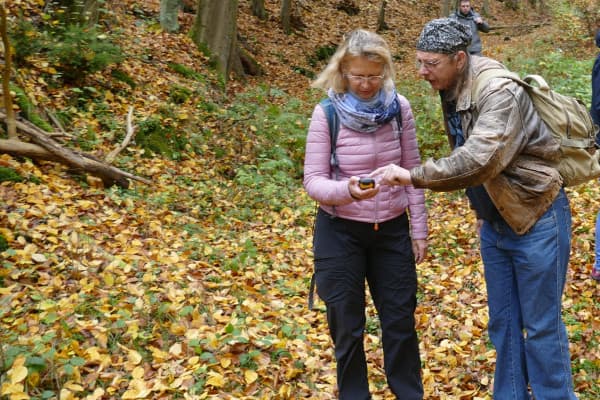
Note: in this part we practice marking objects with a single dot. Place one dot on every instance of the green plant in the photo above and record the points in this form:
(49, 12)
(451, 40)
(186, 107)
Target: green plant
(87, 139)
(179, 94)
(78, 51)
(3, 243)
(28, 110)
(157, 136)
(26, 40)
(427, 112)
(187, 72)
(123, 77)
(322, 53)
(9, 174)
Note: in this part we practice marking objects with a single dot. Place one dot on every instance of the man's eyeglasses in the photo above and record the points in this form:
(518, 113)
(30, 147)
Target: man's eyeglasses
(429, 65)
(359, 79)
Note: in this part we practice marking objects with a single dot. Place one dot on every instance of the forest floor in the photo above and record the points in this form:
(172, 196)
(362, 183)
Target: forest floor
(168, 291)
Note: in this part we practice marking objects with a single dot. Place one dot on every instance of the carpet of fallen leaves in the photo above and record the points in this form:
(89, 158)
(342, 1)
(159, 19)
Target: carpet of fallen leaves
(148, 294)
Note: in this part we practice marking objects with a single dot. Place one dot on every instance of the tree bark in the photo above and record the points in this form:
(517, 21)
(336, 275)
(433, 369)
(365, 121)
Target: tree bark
(258, 9)
(10, 113)
(215, 33)
(24, 149)
(445, 7)
(169, 15)
(286, 16)
(485, 8)
(381, 25)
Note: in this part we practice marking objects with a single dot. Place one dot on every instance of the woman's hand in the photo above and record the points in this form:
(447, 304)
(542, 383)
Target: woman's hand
(420, 249)
(392, 175)
(360, 194)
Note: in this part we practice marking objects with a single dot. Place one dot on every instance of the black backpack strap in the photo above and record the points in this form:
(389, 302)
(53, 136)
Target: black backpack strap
(333, 123)
(399, 122)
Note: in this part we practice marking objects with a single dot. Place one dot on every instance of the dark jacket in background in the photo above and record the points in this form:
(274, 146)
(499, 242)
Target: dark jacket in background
(469, 20)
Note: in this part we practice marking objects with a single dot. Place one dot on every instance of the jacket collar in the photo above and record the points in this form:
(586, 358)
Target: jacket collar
(477, 65)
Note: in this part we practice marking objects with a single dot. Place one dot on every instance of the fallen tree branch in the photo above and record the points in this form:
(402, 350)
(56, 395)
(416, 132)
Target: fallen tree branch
(518, 27)
(130, 131)
(61, 131)
(25, 149)
(44, 147)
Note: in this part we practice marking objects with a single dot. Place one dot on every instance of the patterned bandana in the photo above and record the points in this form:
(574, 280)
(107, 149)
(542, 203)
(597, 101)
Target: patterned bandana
(365, 116)
(445, 36)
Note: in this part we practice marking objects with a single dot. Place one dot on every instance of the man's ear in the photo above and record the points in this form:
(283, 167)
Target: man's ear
(461, 59)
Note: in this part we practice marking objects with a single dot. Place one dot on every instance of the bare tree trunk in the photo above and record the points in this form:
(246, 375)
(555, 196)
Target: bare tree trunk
(215, 32)
(10, 113)
(286, 16)
(258, 9)
(381, 25)
(446, 7)
(485, 8)
(169, 15)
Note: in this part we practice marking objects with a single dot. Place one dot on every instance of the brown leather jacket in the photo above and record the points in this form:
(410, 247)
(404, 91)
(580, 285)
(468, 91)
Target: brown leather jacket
(508, 149)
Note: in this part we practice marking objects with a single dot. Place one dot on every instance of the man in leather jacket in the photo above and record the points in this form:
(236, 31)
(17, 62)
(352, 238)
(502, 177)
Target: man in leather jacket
(467, 16)
(503, 155)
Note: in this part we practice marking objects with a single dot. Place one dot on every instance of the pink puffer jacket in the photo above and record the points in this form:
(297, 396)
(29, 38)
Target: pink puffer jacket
(359, 154)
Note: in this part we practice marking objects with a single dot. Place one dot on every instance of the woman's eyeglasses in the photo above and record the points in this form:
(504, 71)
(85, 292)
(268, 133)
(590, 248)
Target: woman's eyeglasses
(359, 79)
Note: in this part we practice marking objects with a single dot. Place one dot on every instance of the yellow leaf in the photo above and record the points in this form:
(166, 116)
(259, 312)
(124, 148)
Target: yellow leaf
(38, 258)
(134, 357)
(74, 239)
(137, 390)
(250, 376)
(74, 387)
(285, 391)
(225, 362)
(175, 349)
(137, 373)
(66, 394)
(215, 380)
(97, 395)
(17, 374)
(109, 279)
(11, 388)
(6, 290)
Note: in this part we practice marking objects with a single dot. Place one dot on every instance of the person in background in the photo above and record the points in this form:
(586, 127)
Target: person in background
(467, 16)
(595, 113)
(366, 234)
(504, 153)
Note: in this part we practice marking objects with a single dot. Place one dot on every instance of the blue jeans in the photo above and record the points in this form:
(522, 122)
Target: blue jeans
(525, 277)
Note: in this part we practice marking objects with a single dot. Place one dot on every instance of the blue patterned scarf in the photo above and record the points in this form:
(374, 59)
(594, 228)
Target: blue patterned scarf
(365, 115)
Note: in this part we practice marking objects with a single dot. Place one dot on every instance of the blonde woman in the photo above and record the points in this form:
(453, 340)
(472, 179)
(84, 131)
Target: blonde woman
(363, 234)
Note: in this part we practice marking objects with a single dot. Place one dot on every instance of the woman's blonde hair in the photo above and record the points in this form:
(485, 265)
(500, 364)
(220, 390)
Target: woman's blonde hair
(358, 43)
